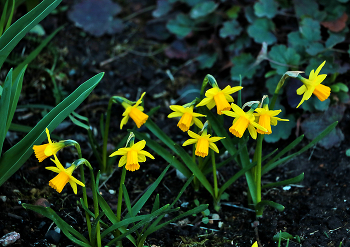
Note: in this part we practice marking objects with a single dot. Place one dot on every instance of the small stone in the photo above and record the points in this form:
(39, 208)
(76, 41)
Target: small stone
(9, 238)
(42, 202)
(53, 237)
(3, 198)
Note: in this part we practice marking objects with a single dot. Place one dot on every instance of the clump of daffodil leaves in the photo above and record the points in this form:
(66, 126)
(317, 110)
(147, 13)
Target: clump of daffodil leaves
(209, 137)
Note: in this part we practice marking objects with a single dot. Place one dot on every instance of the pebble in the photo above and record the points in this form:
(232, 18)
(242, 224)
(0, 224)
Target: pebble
(9, 238)
(53, 237)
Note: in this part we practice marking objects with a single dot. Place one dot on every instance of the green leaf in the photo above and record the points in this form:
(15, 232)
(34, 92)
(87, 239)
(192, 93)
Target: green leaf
(265, 8)
(310, 29)
(282, 130)
(206, 61)
(203, 9)
(270, 165)
(68, 230)
(230, 29)
(17, 30)
(13, 158)
(318, 122)
(261, 31)
(283, 236)
(342, 87)
(272, 83)
(232, 12)
(314, 48)
(139, 204)
(334, 38)
(15, 93)
(265, 203)
(187, 159)
(294, 180)
(296, 41)
(243, 65)
(307, 9)
(181, 26)
(283, 58)
(314, 104)
(4, 108)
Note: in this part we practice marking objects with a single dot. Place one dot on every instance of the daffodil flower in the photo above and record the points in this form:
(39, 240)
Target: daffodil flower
(220, 98)
(135, 112)
(46, 150)
(131, 156)
(255, 244)
(242, 121)
(188, 117)
(64, 176)
(203, 143)
(313, 86)
(267, 118)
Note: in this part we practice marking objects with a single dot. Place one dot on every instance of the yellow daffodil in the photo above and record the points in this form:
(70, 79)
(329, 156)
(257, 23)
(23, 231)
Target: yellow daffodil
(131, 156)
(135, 112)
(267, 118)
(220, 98)
(64, 176)
(188, 117)
(242, 121)
(313, 86)
(203, 143)
(48, 149)
(255, 244)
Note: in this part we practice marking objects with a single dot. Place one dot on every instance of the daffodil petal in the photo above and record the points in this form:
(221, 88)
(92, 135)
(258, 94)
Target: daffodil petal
(193, 135)
(145, 153)
(53, 168)
(177, 108)
(252, 131)
(198, 122)
(122, 161)
(189, 142)
(139, 145)
(204, 101)
(175, 114)
(124, 121)
(319, 68)
(211, 104)
(214, 147)
(74, 186)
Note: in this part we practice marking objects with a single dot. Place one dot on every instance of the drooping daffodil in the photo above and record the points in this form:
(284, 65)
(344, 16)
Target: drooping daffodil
(64, 176)
(313, 86)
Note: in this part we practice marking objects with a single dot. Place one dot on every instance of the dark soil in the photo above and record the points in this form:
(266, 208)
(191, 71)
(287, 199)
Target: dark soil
(316, 210)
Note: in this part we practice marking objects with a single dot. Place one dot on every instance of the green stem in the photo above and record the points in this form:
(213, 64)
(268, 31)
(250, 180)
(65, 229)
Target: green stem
(120, 200)
(244, 156)
(258, 152)
(216, 190)
(88, 222)
(105, 137)
(96, 208)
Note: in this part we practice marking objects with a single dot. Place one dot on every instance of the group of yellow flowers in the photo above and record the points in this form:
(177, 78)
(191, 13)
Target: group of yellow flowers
(256, 120)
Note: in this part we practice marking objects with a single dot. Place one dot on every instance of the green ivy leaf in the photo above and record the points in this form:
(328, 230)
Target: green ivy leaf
(296, 41)
(314, 48)
(191, 2)
(261, 31)
(181, 26)
(310, 29)
(318, 122)
(282, 130)
(243, 65)
(206, 61)
(271, 84)
(249, 14)
(283, 55)
(230, 29)
(232, 12)
(203, 9)
(334, 38)
(314, 104)
(308, 8)
(265, 8)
